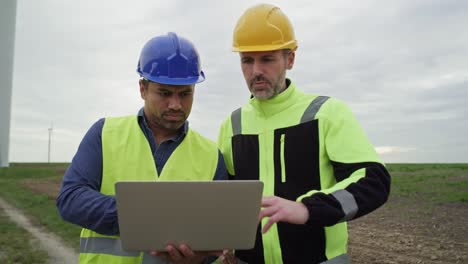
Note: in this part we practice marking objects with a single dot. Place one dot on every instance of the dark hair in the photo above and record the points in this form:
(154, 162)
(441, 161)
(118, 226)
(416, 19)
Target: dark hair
(145, 82)
(286, 52)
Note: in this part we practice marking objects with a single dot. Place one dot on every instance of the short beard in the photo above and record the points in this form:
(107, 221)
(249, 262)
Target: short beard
(274, 91)
(173, 126)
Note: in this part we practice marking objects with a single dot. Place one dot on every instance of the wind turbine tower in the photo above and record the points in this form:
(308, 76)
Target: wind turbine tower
(7, 47)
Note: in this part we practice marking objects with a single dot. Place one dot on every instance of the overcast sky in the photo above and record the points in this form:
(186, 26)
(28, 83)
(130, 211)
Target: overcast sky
(401, 65)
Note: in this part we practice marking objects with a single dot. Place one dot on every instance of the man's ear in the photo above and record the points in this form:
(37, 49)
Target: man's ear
(143, 88)
(291, 57)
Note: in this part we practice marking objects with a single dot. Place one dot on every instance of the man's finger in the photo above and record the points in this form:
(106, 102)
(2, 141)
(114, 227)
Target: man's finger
(186, 251)
(156, 253)
(269, 223)
(160, 254)
(267, 226)
(267, 201)
(173, 252)
(266, 212)
(272, 220)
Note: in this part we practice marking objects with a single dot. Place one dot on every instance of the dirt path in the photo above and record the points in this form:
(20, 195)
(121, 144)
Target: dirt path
(58, 252)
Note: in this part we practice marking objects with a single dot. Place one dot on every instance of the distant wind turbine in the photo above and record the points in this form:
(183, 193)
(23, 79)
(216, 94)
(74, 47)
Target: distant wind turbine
(51, 128)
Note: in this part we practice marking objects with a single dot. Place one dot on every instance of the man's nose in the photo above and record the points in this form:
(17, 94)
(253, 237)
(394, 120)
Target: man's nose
(257, 69)
(175, 103)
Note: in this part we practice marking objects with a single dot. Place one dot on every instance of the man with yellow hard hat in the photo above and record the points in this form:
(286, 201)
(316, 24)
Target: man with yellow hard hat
(318, 167)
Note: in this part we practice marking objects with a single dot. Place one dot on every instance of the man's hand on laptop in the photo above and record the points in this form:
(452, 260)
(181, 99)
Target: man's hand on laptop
(228, 257)
(184, 255)
(278, 209)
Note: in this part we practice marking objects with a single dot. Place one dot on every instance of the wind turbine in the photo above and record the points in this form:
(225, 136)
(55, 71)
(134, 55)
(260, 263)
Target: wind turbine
(7, 47)
(51, 128)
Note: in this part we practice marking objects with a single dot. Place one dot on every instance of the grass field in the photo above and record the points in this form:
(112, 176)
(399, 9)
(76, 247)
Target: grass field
(32, 187)
(15, 188)
(437, 182)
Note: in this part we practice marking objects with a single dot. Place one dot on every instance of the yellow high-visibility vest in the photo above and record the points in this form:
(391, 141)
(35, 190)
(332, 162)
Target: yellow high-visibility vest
(127, 156)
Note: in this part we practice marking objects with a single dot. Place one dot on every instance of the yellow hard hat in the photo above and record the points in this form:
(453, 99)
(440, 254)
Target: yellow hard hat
(263, 27)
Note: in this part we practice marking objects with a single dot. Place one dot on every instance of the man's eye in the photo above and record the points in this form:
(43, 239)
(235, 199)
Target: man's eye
(165, 94)
(185, 94)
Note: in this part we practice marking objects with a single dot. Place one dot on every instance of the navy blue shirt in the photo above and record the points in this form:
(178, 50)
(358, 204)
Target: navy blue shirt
(80, 201)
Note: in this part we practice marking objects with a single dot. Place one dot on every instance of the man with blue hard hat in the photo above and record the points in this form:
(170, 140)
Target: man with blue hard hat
(137, 148)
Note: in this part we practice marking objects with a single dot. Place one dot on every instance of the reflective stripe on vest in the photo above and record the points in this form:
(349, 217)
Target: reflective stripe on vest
(236, 122)
(104, 245)
(347, 202)
(112, 246)
(312, 109)
(341, 259)
(309, 114)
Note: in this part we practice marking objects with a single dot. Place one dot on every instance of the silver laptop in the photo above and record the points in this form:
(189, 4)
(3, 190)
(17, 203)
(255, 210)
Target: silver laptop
(206, 215)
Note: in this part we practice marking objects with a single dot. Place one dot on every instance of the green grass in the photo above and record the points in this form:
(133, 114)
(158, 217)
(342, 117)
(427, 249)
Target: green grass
(15, 245)
(39, 207)
(436, 183)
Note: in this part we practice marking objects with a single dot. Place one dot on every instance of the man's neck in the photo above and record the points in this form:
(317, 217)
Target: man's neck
(285, 85)
(162, 134)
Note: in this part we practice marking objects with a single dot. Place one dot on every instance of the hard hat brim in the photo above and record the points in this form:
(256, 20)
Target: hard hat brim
(292, 45)
(175, 81)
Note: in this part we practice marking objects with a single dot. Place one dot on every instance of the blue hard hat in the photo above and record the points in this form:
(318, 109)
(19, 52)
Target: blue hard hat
(170, 59)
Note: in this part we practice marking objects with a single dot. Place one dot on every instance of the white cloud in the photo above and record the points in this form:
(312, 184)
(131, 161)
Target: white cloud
(382, 150)
(400, 65)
